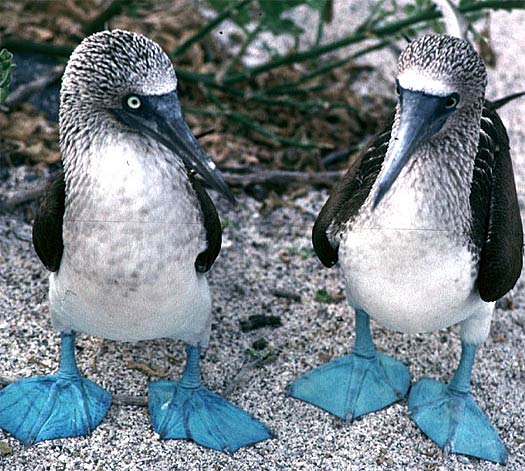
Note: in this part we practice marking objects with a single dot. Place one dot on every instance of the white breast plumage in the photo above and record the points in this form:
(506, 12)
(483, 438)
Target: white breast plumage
(129, 249)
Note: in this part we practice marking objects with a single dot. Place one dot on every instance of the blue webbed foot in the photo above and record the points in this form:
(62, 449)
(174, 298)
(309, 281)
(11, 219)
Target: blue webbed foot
(187, 410)
(60, 405)
(202, 416)
(355, 384)
(448, 415)
(46, 407)
(454, 421)
(352, 386)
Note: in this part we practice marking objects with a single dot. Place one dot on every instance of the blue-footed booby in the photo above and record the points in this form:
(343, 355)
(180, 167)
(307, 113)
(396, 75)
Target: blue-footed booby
(128, 233)
(427, 231)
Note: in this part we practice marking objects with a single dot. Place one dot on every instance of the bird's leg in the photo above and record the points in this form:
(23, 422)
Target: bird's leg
(364, 345)
(191, 377)
(186, 409)
(61, 405)
(355, 384)
(448, 415)
(68, 362)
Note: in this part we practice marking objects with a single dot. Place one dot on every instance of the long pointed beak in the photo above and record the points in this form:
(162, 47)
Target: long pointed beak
(177, 136)
(161, 118)
(421, 117)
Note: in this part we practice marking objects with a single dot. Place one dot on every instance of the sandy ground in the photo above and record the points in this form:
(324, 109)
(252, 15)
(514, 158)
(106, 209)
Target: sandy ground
(260, 254)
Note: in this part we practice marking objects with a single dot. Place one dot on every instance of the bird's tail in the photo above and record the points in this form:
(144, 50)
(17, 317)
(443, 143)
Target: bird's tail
(494, 105)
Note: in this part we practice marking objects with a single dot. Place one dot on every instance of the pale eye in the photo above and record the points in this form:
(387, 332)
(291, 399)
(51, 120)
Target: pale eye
(452, 101)
(133, 102)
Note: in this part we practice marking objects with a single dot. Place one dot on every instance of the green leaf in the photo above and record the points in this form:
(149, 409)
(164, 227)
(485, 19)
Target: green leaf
(283, 26)
(271, 19)
(6, 66)
(316, 4)
(409, 9)
(303, 252)
(275, 8)
(323, 296)
(242, 15)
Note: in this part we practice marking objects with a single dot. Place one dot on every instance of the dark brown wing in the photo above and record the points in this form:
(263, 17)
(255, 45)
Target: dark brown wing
(349, 195)
(496, 224)
(47, 228)
(212, 226)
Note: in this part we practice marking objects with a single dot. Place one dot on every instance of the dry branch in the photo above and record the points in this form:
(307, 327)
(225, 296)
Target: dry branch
(24, 91)
(284, 176)
(269, 177)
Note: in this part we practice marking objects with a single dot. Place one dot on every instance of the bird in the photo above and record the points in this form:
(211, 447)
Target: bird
(128, 233)
(425, 226)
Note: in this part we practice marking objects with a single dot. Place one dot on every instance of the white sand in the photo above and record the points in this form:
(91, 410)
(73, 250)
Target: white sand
(251, 265)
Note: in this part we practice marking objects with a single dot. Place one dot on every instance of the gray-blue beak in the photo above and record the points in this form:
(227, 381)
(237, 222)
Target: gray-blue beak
(160, 116)
(421, 117)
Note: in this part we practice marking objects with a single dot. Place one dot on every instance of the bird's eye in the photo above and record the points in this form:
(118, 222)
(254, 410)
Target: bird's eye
(452, 101)
(133, 102)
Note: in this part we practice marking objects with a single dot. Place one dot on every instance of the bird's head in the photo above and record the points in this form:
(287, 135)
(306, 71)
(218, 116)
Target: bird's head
(441, 81)
(126, 80)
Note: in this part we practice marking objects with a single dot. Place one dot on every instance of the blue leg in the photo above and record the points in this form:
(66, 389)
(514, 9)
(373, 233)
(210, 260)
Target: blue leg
(186, 409)
(448, 415)
(356, 384)
(60, 405)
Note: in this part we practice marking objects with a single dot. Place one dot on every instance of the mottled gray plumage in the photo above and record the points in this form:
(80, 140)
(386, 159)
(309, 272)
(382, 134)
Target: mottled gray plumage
(128, 232)
(427, 230)
(102, 70)
(136, 229)
(447, 59)
(453, 185)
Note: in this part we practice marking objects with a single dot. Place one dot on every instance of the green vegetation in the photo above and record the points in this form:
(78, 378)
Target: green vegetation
(6, 66)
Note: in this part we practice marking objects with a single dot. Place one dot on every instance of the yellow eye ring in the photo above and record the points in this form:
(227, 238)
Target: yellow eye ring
(133, 102)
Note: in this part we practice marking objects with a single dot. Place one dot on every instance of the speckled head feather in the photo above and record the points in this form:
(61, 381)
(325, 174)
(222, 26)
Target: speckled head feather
(108, 65)
(440, 65)
(103, 69)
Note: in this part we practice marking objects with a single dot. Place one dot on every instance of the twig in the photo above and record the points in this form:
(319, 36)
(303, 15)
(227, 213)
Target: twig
(236, 169)
(290, 87)
(205, 133)
(338, 155)
(325, 16)
(284, 176)
(249, 123)
(283, 87)
(16, 44)
(235, 59)
(258, 321)
(388, 29)
(114, 8)
(14, 198)
(281, 293)
(25, 90)
(494, 105)
(303, 105)
(118, 399)
(240, 377)
(127, 400)
(208, 27)
(148, 370)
